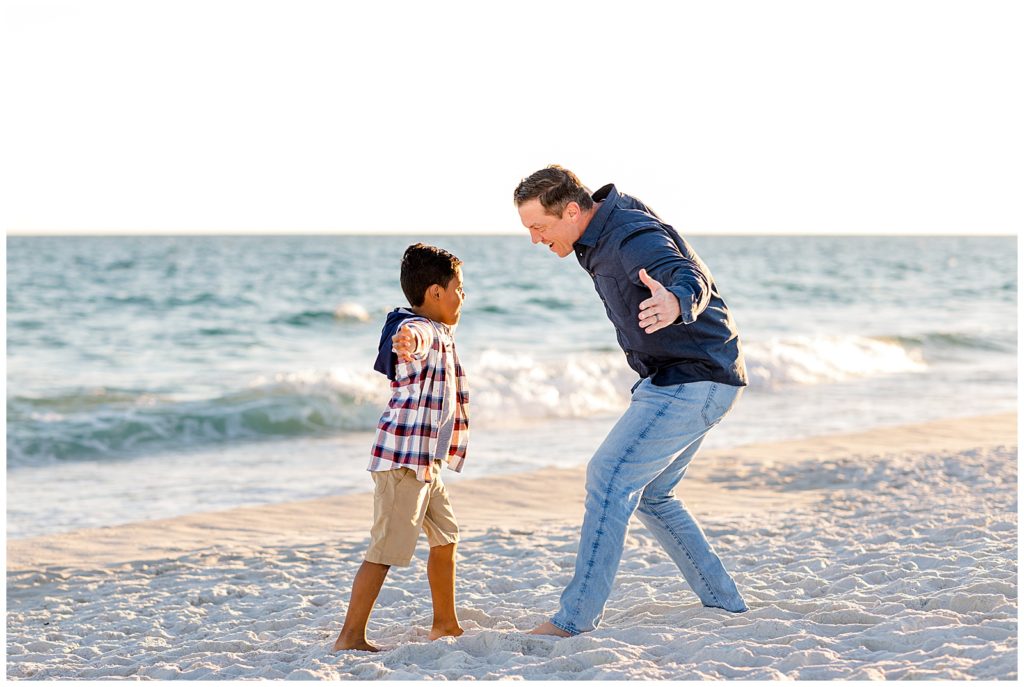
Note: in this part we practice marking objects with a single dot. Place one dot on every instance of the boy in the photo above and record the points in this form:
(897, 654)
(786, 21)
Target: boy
(425, 423)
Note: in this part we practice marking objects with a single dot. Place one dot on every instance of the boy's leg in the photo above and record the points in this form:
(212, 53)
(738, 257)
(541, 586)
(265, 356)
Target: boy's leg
(399, 502)
(443, 534)
(441, 575)
(365, 589)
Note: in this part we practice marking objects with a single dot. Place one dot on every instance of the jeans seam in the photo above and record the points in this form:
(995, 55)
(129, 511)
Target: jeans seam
(696, 567)
(604, 503)
(707, 404)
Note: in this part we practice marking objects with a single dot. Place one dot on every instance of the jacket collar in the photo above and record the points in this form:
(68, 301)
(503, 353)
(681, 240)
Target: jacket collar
(609, 198)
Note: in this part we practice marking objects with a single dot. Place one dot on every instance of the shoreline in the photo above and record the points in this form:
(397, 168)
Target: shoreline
(520, 499)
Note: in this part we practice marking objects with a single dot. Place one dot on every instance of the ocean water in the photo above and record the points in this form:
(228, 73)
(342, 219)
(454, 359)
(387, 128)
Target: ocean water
(154, 376)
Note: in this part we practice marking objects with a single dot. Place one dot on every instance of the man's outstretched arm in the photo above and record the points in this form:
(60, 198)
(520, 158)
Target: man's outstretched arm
(680, 289)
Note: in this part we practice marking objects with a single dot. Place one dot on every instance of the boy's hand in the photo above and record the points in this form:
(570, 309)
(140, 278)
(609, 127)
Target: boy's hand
(404, 343)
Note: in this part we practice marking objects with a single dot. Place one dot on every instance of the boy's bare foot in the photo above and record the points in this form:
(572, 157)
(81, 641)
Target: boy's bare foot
(439, 631)
(343, 643)
(549, 629)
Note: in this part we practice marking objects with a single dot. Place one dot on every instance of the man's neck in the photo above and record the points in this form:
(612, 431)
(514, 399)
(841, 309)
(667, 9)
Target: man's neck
(585, 218)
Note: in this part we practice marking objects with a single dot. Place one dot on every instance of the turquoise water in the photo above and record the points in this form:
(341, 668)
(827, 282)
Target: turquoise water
(221, 355)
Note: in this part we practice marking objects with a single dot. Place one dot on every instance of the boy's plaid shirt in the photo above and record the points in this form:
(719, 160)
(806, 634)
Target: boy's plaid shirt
(408, 429)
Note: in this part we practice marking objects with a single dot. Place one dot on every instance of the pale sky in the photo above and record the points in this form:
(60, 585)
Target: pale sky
(227, 116)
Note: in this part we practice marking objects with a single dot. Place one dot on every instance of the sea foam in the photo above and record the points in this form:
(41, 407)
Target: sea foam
(508, 389)
(824, 359)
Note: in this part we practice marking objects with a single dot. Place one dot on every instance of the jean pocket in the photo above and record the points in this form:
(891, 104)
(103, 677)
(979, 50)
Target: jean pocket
(721, 399)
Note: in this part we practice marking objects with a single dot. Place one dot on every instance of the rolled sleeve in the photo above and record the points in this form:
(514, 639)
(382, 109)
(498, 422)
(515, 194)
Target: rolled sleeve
(424, 335)
(407, 372)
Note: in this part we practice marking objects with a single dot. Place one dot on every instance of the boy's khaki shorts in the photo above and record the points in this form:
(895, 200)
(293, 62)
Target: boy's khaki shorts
(402, 506)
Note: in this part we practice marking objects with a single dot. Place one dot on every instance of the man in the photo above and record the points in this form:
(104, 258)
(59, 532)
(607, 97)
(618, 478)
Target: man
(678, 335)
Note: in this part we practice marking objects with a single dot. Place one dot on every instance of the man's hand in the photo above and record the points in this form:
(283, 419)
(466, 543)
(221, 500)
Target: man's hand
(404, 343)
(661, 309)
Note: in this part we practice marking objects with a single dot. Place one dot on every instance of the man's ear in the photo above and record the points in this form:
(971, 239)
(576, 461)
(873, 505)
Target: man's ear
(435, 291)
(572, 210)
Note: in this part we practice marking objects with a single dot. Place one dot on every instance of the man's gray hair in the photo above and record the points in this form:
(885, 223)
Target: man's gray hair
(555, 187)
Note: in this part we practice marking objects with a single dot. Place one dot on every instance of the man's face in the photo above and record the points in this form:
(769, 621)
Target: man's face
(557, 233)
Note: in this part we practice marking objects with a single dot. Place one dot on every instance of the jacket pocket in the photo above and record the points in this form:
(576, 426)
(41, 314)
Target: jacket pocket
(621, 311)
(611, 294)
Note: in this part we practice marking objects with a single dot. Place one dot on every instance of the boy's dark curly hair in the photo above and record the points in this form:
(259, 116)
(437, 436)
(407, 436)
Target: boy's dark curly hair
(424, 265)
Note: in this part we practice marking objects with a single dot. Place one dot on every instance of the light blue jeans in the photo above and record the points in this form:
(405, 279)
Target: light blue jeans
(636, 469)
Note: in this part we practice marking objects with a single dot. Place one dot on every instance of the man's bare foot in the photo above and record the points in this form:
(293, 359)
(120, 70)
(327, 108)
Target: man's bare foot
(439, 631)
(343, 643)
(549, 629)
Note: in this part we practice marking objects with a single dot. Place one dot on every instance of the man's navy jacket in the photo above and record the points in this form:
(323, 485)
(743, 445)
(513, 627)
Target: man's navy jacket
(623, 236)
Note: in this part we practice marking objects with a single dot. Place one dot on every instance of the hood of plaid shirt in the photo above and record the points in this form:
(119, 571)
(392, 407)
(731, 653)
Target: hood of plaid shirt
(386, 358)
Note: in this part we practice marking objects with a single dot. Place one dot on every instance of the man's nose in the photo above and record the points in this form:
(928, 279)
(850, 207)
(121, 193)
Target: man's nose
(535, 236)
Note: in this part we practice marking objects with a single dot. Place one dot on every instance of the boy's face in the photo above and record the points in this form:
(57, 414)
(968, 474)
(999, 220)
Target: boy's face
(450, 303)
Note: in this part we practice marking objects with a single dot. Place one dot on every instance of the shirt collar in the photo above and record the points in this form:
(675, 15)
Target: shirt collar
(608, 197)
(448, 329)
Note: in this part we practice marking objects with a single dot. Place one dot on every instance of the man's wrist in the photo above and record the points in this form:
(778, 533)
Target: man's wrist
(682, 295)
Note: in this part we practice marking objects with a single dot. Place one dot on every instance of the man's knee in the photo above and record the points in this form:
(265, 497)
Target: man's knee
(599, 474)
(652, 502)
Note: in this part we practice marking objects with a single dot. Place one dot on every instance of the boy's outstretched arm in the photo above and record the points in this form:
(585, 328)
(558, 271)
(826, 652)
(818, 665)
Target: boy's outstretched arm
(408, 344)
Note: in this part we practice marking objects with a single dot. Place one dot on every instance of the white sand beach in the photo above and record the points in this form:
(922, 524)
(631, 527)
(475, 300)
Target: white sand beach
(889, 554)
